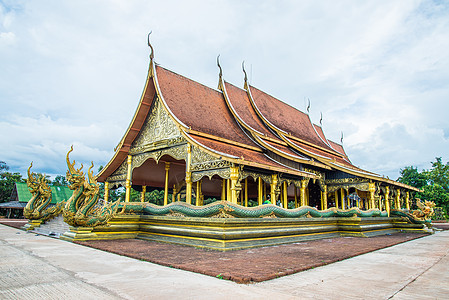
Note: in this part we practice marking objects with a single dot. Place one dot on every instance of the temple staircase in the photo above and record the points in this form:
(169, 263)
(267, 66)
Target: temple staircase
(54, 227)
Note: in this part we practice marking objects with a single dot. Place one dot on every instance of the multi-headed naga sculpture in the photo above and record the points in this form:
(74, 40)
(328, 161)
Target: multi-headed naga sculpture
(425, 210)
(82, 208)
(37, 208)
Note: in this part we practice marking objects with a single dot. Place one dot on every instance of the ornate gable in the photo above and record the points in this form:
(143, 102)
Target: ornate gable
(158, 130)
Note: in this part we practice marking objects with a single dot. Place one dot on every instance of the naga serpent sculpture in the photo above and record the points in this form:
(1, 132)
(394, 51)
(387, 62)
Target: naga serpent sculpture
(425, 210)
(82, 209)
(37, 207)
(226, 209)
(420, 216)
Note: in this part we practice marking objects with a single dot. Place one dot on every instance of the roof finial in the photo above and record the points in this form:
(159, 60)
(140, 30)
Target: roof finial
(243, 67)
(321, 118)
(341, 140)
(218, 64)
(308, 106)
(151, 47)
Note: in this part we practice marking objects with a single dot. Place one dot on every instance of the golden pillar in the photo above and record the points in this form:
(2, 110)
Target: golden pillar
(387, 201)
(324, 198)
(397, 204)
(228, 190)
(302, 192)
(264, 191)
(296, 196)
(372, 189)
(128, 179)
(167, 168)
(379, 203)
(198, 193)
(246, 192)
(189, 176)
(285, 195)
(234, 180)
(407, 200)
(173, 197)
(223, 189)
(307, 198)
(189, 187)
(142, 194)
(274, 183)
(106, 193)
(336, 199)
(259, 191)
(343, 202)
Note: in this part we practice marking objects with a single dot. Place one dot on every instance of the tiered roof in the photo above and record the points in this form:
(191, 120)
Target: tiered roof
(246, 126)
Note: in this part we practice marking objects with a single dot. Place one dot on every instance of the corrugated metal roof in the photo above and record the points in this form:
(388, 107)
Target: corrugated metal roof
(13, 204)
(59, 193)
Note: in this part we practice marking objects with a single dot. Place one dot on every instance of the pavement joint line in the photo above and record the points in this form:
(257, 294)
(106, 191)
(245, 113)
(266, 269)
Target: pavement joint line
(69, 273)
(419, 275)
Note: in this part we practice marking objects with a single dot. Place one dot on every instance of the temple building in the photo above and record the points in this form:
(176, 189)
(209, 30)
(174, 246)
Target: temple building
(237, 144)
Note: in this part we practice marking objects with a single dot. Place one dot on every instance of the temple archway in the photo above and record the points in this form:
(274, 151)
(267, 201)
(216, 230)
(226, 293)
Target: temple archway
(314, 194)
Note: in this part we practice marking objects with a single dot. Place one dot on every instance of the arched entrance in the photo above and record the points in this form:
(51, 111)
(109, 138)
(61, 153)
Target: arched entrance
(314, 194)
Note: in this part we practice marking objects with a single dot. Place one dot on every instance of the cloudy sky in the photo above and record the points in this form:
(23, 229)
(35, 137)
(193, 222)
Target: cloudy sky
(71, 72)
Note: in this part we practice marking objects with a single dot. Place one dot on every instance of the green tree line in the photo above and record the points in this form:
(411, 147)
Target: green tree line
(433, 183)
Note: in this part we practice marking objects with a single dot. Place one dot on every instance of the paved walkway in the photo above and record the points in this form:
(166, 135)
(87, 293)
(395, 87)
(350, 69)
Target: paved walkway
(38, 267)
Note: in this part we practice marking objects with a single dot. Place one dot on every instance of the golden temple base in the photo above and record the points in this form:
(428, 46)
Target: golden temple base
(32, 224)
(237, 233)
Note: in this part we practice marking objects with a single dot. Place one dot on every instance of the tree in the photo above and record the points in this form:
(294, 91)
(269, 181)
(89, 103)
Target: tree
(439, 174)
(411, 176)
(437, 194)
(434, 182)
(3, 167)
(59, 180)
(7, 181)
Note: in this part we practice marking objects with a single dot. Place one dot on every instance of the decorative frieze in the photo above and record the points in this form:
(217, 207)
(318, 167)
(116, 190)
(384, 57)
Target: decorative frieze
(202, 160)
(223, 173)
(157, 129)
(255, 175)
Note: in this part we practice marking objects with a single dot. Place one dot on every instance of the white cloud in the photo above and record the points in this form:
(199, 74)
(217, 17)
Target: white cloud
(73, 71)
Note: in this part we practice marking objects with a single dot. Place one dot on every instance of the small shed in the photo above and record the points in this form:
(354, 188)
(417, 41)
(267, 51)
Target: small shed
(21, 195)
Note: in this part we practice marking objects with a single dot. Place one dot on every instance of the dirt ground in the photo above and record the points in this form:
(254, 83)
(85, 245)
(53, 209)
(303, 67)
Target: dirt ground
(251, 265)
(16, 223)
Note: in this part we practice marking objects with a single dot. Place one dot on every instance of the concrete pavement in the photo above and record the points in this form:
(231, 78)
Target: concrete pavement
(38, 267)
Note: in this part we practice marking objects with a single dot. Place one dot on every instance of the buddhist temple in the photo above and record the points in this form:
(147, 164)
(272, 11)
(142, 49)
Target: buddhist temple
(237, 144)
(237, 167)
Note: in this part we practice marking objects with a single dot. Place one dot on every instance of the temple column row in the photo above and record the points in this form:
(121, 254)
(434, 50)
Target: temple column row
(232, 187)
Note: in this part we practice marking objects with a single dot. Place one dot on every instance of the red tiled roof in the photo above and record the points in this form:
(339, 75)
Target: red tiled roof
(322, 153)
(339, 148)
(209, 122)
(320, 132)
(285, 149)
(199, 107)
(242, 106)
(249, 156)
(286, 118)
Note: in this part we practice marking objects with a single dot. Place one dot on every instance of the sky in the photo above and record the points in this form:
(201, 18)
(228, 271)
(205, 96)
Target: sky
(72, 72)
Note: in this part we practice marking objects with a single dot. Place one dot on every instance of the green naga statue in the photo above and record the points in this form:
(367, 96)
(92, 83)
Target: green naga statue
(82, 209)
(37, 208)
